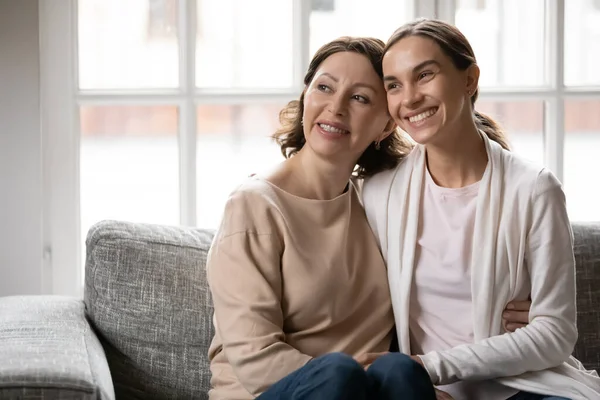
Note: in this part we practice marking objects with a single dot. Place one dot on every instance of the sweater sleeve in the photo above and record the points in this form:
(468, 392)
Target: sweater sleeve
(551, 335)
(244, 275)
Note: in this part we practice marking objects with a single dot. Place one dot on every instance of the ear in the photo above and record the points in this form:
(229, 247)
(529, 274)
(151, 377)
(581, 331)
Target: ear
(472, 78)
(390, 127)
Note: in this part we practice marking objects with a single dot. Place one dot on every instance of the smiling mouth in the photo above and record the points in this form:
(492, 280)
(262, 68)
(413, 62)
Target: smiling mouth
(423, 116)
(333, 129)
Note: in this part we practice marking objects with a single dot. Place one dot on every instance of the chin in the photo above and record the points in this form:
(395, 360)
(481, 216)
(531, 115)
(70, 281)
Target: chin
(423, 136)
(326, 150)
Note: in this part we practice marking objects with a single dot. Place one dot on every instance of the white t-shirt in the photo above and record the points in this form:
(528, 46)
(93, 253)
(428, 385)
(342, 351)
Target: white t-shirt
(440, 305)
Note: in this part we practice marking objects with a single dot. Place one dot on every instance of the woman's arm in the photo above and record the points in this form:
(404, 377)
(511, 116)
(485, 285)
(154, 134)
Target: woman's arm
(550, 337)
(244, 274)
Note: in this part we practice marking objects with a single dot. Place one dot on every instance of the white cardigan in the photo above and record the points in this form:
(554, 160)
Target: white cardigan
(522, 236)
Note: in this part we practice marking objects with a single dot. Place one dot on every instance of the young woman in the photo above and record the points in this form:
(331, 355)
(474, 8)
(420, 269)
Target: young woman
(465, 227)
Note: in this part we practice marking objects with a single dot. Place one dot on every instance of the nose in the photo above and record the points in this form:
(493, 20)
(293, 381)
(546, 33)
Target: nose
(412, 96)
(338, 105)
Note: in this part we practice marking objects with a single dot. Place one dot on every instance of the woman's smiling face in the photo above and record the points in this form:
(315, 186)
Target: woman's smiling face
(426, 93)
(345, 107)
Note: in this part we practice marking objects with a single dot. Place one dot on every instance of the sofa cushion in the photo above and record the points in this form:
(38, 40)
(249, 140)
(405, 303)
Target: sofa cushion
(48, 351)
(587, 260)
(148, 299)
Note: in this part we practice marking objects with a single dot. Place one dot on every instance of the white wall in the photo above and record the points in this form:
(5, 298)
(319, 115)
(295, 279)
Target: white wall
(20, 149)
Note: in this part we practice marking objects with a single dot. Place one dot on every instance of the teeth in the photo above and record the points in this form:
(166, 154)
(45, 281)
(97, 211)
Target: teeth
(423, 115)
(332, 129)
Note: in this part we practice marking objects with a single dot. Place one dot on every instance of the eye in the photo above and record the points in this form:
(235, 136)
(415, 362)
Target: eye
(392, 86)
(425, 74)
(323, 88)
(360, 99)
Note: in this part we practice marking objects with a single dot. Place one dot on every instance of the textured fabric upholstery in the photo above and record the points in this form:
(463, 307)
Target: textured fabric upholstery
(147, 296)
(48, 351)
(148, 301)
(587, 258)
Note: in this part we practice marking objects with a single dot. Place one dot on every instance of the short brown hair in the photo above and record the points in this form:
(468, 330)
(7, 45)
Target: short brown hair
(456, 46)
(290, 135)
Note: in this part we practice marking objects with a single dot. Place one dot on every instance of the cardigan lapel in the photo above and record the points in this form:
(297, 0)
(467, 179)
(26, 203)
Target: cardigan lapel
(403, 216)
(485, 234)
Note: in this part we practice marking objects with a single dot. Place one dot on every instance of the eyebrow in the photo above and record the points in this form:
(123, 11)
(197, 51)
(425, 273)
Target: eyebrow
(422, 65)
(360, 84)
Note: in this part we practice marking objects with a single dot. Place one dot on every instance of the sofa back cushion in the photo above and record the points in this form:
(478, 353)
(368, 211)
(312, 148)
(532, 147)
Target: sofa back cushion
(147, 297)
(587, 259)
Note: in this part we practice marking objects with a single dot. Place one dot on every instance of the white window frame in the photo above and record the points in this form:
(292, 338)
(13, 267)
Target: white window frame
(61, 99)
(553, 95)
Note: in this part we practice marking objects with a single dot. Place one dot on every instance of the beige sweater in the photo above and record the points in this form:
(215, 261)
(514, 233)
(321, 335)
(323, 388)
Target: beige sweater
(292, 279)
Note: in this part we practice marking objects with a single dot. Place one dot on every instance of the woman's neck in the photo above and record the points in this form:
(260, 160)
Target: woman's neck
(309, 176)
(459, 159)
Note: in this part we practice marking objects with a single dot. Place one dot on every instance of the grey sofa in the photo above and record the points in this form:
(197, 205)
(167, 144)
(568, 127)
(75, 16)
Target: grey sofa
(144, 326)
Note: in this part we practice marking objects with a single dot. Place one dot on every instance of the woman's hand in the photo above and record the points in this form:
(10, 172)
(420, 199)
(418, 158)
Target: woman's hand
(418, 360)
(369, 358)
(516, 315)
(439, 395)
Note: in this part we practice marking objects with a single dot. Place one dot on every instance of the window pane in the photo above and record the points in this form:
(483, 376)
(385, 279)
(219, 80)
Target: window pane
(582, 35)
(244, 44)
(129, 165)
(128, 44)
(331, 19)
(582, 163)
(233, 142)
(523, 123)
(507, 37)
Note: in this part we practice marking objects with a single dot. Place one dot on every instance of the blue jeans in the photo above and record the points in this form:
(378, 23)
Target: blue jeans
(337, 376)
(532, 396)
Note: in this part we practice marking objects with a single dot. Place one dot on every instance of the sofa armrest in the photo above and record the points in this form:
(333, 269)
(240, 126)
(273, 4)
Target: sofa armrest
(48, 350)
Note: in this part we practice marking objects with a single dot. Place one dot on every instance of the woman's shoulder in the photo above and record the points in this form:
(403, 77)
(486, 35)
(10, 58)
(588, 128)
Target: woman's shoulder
(252, 189)
(528, 175)
(384, 179)
(251, 206)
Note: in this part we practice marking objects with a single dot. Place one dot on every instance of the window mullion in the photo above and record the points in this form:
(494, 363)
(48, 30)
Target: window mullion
(60, 146)
(249, 98)
(187, 112)
(425, 8)
(445, 10)
(555, 109)
(301, 40)
(156, 98)
(515, 94)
